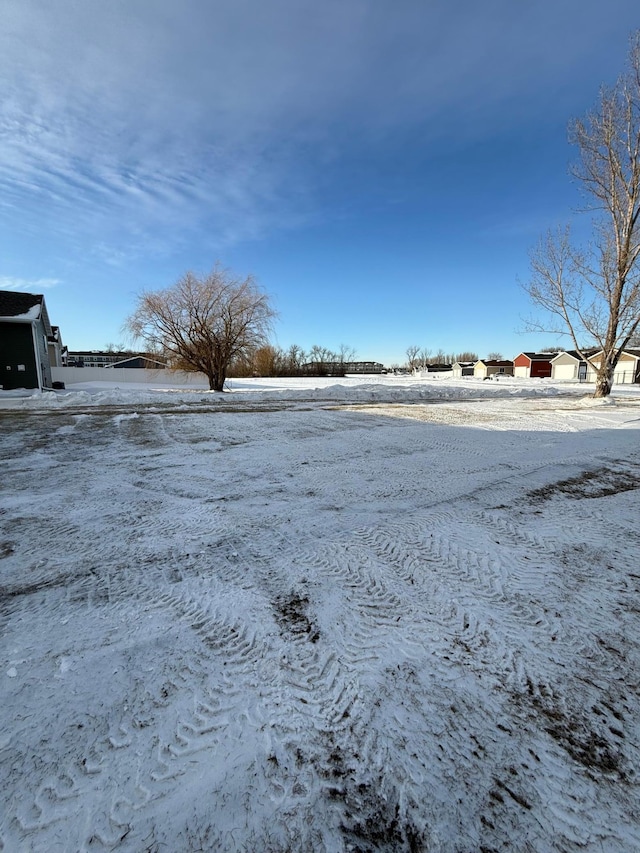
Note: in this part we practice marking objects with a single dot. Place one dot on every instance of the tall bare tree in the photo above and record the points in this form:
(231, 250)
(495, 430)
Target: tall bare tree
(204, 323)
(423, 358)
(346, 354)
(594, 292)
(294, 360)
(413, 352)
(468, 355)
(321, 357)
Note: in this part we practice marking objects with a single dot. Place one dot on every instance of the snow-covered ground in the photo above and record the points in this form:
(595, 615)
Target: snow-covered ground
(400, 616)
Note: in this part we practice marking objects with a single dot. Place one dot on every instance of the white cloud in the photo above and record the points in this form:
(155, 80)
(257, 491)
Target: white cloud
(133, 118)
(27, 285)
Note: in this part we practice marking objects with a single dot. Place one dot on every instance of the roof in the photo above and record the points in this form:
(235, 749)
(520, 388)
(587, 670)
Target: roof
(14, 304)
(539, 356)
(574, 354)
(629, 351)
(139, 357)
(495, 363)
(110, 353)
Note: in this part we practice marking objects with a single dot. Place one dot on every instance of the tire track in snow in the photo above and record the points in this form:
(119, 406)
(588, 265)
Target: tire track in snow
(468, 567)
(412, 770)
(213, 718)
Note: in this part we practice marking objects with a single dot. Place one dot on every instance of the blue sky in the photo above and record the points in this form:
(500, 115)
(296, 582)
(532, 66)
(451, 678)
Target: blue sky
(383, 169)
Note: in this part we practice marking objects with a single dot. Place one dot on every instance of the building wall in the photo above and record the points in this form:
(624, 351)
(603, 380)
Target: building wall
(522, 360)
(55, 353)
(565, 372)
(626, 372)
(564, 368)
(535, 370)
(42, 349)
(540, 369)
(459, 370)
(483, 370)
(16, 351)
(122, 375)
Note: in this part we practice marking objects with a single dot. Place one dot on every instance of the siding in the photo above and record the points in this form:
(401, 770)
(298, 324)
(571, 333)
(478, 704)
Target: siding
(16, 349)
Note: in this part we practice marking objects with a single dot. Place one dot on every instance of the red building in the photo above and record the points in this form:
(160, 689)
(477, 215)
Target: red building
(533, 364)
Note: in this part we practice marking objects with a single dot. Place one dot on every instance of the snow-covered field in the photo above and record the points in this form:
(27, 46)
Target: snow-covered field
(400, 616)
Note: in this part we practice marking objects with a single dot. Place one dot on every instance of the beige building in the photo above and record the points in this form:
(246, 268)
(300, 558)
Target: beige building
(569, 365)
(627, 369)
(491, 367)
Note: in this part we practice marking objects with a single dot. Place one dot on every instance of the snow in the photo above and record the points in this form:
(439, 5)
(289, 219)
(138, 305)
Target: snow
(322, 389)
(320, 616)
(31, 314)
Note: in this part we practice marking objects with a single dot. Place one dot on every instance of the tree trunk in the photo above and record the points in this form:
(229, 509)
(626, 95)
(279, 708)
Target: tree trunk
(216, 383)
(217, 378)
(604, 378)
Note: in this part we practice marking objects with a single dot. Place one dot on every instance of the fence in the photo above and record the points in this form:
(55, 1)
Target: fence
(123, 375)
(620, 377)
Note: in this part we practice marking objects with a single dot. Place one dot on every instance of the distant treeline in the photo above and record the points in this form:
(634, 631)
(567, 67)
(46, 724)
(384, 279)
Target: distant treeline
(418, 358)
(273, 361)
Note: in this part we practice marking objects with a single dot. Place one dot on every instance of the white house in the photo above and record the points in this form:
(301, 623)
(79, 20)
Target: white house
(569, 365)
(462, 368)
(627, 370)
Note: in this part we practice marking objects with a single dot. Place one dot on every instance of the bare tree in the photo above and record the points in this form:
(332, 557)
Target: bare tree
(321, 358)
(294, 360)
(205, 323)
(594, 292)
(412, 356)
(469, 355)
(346, 354)
(423, 358)
(495, 356)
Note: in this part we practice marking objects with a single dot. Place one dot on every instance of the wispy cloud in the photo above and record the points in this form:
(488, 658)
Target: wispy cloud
(27, 285)
(133, 123)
